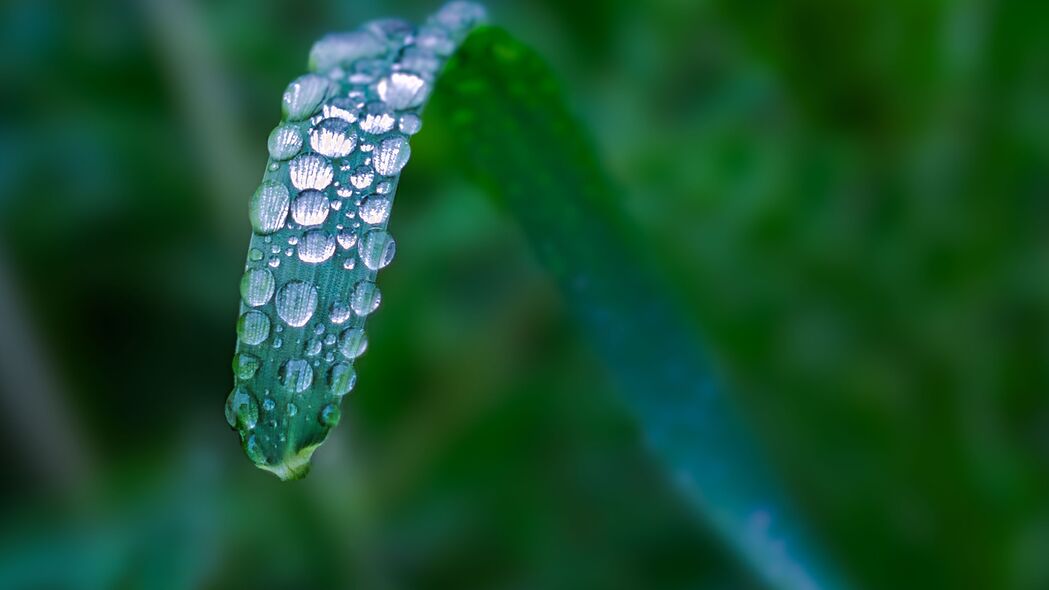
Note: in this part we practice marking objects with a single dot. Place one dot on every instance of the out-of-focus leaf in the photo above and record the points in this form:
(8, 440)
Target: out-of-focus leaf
(514, 134)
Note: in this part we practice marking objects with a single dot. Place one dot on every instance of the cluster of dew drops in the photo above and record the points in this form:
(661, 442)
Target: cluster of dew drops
(325, 200)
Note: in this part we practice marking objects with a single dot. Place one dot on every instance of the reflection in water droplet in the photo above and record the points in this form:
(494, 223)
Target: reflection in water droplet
(353, 343)
(375, 209)
(310, 171)
(253, 327)
(296, 375)
(341, 378)
(268, 207)
(310, 208)
(256, 287)
(316, 247)
(403, 90)
(304, 95)
(284, 142)
(333, 137)
(245, 365)
(329, 416)
(296, 302)
(392, 155)
(241, 409)
(377, 249)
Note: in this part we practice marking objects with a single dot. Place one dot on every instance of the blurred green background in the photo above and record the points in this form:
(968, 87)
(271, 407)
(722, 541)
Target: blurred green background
(852, 197)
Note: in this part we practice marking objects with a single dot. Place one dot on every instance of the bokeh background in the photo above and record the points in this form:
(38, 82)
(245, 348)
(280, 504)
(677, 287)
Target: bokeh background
(852, 197)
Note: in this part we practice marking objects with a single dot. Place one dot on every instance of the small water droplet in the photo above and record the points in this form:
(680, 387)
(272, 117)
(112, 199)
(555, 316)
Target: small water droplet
(403, 90)
(268, 207)
(256, 287)
(310, 208)
(310, 171)
(296, 301)
(375, 209)
(313, 347)
(245, 365)
(304, 95)
(284, 142)
(317, 246)
(341, 378)
(274, 262)
(253, 327)
(255, 255)
(392, 155)
(333, 137)
(377, 249)
(362, 177)
(329, 339)
(253, 448)
(353, 343)
(330, 415)
(278, 342)
(349, 263)
(365, 298)
(346, 239)
(296, 375)
(292, 410)
(241, 409)
(340, 312)
(410, 123)
(268, 404)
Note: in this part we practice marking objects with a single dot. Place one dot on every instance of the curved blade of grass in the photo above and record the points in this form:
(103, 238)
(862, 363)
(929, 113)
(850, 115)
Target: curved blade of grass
(517, 138)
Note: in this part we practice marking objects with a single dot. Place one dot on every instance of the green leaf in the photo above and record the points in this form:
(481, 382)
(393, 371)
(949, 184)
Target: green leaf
(516, 137)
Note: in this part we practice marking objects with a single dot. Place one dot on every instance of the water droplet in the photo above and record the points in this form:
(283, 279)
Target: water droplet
(296, 301)
(353, 343)
(403, 90)
(274, 262)
(343, 49)
(435, 40)
(255, 255)
(410, 123)
(278, 342)
(393, 31)
(292, 410)
(268, 404)
(310, 171)
(349, 263)
(341, 108)
(318, 329)
(256, 287)
(460, 16)
(341, 378)
(333, 137)
(245, 365)
(362, 177)
(313, 347)
(365, 298)
(374, 209)
(253, 327)
(392, 155)
(241, 409)
(329, 339)
(284, 142)
(346, 239)
(268, 207)
(316, 247)
(384, 187)
(296, 375)
(329, 416)
(304, 95)
(310, 208)
(377, 249)
(340, 312)
(376, 118)
(254, 449)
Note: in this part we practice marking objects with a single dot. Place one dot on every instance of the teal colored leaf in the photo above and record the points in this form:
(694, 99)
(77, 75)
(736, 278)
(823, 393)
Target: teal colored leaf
(515, 136)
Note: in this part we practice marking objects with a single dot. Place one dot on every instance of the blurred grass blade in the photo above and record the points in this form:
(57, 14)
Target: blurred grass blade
(517, 138)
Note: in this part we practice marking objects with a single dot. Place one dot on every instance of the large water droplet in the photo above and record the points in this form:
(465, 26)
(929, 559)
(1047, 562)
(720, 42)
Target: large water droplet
(376, 118)
(377, 249)
(241, 409)
(253, 327)
(296, 302)
(329, 416)
(304, 95)
(374, 209)
(245, 365)
(256, 287)
(341, 378)
(365, 298)
(333, 137)
(310, 208)
(310, 171)
(268, 207)
(353, 343)
(296, 375)
(403, 90)
(342, 49)
(284, 142)
(253, 448)
(316, 246)
(391, 155)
